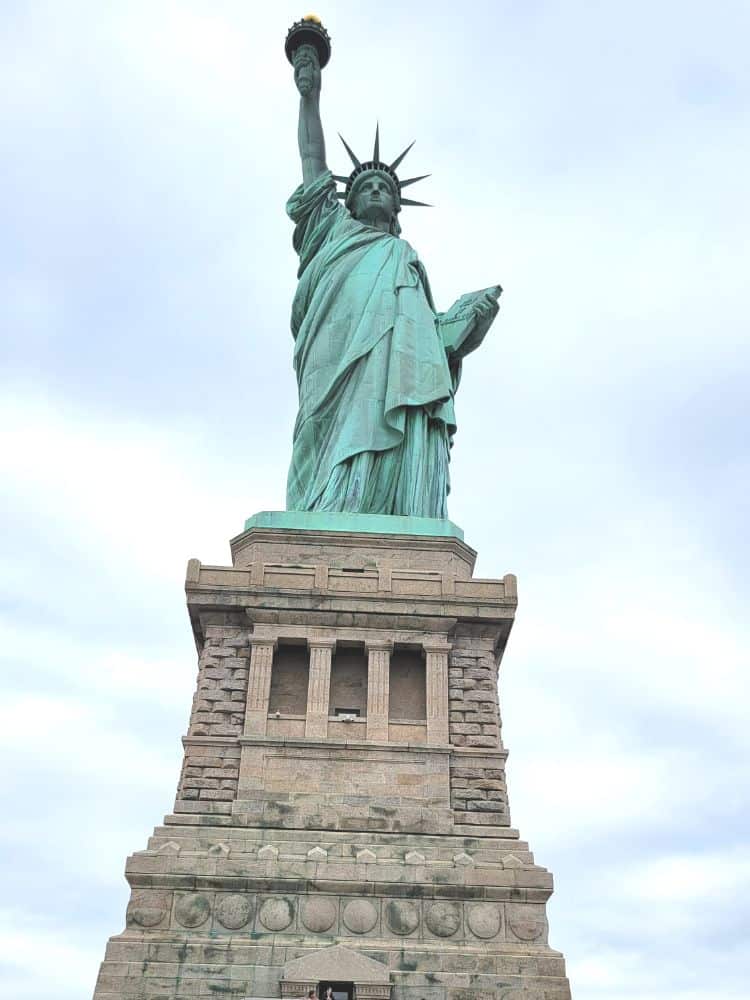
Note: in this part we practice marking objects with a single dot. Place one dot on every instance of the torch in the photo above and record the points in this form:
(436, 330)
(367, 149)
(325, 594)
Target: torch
(308, 31)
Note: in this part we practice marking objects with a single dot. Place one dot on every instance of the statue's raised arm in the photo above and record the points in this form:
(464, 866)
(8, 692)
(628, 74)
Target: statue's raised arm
(312, 146)
(308, 49)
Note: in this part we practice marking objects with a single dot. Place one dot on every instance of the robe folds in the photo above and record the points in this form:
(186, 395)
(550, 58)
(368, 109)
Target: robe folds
(376, 414)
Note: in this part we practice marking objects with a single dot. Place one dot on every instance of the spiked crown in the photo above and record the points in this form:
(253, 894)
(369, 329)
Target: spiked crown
(379, 166)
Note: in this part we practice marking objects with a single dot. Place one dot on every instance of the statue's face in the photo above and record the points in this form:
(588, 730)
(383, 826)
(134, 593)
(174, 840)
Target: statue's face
(374, 199)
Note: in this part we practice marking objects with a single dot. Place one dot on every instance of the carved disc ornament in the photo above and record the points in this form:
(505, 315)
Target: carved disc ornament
(443, 919)
(402, 916)
(234, 911)
(484, 920)
(360, 916)
(318, 914)
(147, 909)
(192, 910)
(525, 922)
(276, 913)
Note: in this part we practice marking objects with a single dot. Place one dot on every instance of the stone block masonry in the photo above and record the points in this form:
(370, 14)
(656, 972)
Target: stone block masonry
(478, 790)
(345, 818)
(472, 693)
(219, 700)
(209, 774)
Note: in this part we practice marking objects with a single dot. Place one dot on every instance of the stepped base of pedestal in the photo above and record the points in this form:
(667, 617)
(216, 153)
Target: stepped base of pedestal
(225, 910)
(184, 968)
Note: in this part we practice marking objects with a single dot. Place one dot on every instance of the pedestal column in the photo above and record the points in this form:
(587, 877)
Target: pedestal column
(437, 691)
(319, 687)
(259, 686)
(378, 688)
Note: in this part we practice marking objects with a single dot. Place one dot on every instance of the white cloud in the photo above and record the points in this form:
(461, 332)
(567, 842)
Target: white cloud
(95, 671)
(79, 741)
(605, 973)
(129, 493)
(40, 957)
(690, 878)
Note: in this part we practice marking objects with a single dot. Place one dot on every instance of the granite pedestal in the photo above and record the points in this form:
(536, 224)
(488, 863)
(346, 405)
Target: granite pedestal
(341, 814)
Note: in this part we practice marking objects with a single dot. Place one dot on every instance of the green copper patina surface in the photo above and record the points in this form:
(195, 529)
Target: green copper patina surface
(381, 524)
(377, 366)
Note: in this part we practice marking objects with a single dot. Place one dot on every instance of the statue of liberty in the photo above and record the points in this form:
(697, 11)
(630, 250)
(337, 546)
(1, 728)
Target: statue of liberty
(377, 367)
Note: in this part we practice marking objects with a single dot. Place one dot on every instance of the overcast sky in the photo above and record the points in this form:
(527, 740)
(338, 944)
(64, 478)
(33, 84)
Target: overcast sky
(592, 158)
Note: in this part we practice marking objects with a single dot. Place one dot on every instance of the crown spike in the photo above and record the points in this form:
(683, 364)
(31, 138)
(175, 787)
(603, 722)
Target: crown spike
(413, 180)
(376, 147)
(341, 179)
(420, 204)
(398, 159)
(352, 157)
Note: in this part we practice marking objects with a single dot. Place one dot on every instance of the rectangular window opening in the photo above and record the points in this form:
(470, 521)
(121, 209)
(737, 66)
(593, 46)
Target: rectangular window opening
(289, 680)
(348, 693)
(407, 688)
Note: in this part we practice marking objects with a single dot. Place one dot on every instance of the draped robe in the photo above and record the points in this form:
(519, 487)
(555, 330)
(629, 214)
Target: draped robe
(376, 414)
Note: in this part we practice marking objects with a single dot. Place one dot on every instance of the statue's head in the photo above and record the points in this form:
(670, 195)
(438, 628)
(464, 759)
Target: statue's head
(375, 197)
(372, 191)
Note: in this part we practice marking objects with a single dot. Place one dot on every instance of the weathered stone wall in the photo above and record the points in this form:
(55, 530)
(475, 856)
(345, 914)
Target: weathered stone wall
(206, 900)
(478, 790)
(210, 769)
(474, 719)
(209, 776)
(344, 788)
(219, 701)
(193, 965)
